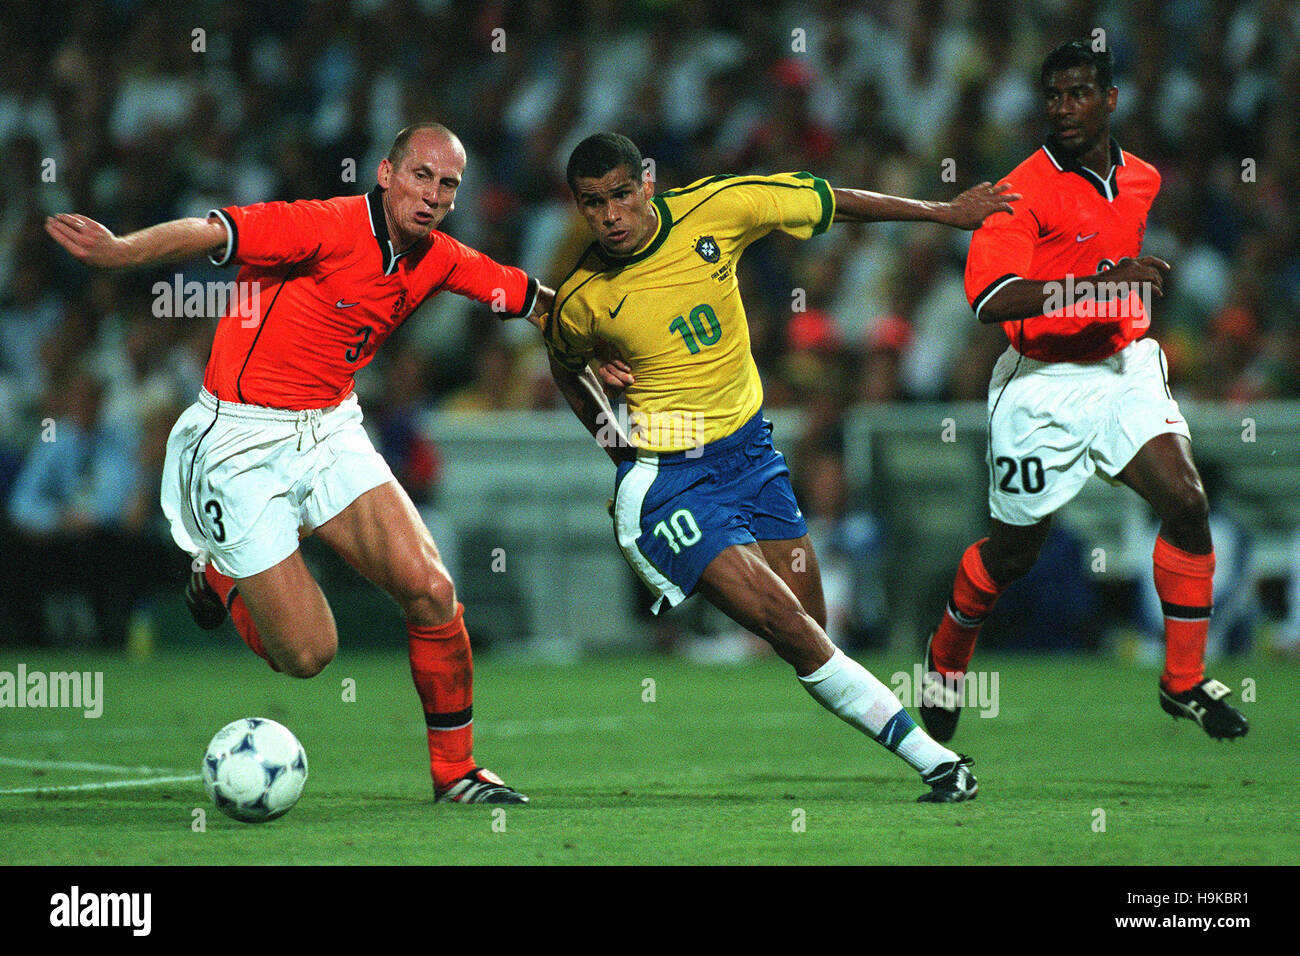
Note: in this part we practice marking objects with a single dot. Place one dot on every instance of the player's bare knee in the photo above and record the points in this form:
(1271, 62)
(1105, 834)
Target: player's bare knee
(1188, 505)
(306, 662)
(429, 595)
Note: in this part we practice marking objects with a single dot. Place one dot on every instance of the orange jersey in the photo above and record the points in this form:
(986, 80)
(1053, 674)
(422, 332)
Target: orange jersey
(329, 290)
(1070, 224)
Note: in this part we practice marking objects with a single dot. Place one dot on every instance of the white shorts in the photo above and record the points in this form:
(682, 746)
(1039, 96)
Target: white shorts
(241, 480)
(1052, 424)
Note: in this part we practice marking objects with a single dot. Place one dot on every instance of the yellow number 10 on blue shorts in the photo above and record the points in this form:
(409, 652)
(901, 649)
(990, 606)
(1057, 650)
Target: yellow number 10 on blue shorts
(674, 513)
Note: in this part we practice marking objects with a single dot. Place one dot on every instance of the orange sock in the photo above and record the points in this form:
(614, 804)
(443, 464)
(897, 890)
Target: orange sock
(974, 593)
(1185, 584)
(239, 613)
(443, 669)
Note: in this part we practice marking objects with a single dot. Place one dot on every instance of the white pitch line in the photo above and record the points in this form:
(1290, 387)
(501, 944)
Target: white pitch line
(110, 785)
(78, 765)
(59, 736)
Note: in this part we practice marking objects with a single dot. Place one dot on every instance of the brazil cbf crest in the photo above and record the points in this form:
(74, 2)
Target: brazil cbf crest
(708, 249)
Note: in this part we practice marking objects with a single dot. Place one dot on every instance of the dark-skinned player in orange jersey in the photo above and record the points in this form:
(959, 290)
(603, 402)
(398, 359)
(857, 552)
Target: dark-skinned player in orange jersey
(274, 447)
(1080, 390)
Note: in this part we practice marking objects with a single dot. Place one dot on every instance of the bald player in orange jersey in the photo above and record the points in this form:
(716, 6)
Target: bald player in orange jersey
(275, 447)
(1080, 390)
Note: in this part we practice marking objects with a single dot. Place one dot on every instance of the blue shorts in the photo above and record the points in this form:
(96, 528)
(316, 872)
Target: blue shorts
(674, 513)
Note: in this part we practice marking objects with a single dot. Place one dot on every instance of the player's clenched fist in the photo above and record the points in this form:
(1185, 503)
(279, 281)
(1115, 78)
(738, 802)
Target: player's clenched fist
(1144, 269)
(976, 204)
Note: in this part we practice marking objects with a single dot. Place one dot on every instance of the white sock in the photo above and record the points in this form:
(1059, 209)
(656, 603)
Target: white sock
(852, 693)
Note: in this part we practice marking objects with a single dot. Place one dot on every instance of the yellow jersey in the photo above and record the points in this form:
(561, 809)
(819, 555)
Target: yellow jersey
(673, 308)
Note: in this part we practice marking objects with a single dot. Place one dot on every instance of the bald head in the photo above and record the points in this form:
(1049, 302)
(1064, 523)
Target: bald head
(424, 134)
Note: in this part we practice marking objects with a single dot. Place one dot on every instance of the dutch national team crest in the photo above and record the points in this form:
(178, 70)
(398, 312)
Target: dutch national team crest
(708, 249)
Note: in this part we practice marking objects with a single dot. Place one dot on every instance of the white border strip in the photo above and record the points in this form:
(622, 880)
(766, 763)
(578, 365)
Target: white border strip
(627, 523)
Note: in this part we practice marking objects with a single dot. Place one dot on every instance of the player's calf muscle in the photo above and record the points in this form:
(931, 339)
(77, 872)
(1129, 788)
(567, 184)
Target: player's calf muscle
(781, 620)
(1191, 534)
(741, 584)
(799, 641)
(1007, 566)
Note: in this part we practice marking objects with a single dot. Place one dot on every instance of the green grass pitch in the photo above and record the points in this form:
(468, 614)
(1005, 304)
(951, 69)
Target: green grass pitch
(727, 764)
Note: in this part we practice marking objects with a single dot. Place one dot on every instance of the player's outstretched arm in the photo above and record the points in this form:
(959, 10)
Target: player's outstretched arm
(1026, 298)
(583, 392)
(966, 211)
(95, 245)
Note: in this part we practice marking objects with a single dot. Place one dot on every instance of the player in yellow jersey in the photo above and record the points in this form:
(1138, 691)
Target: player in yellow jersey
(703, 500)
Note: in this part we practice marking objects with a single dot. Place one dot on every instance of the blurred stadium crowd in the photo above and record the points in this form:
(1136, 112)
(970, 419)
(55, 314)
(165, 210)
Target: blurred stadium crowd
(137, 112)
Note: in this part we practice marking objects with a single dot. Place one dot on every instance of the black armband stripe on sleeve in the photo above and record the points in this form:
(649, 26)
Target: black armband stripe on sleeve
(530, 300)
(232, 237)
(991, 289)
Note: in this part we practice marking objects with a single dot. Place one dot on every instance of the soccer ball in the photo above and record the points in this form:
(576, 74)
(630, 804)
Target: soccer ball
(254, 770)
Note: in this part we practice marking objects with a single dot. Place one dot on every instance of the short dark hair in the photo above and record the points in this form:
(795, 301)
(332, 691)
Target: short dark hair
(397, 152)
(596, 155)
(1079, 53)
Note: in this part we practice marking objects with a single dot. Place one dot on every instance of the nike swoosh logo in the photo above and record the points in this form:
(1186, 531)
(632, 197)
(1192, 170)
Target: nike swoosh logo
(613, 313)
(340, 304)
(1080, 237)
(1172, 421)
